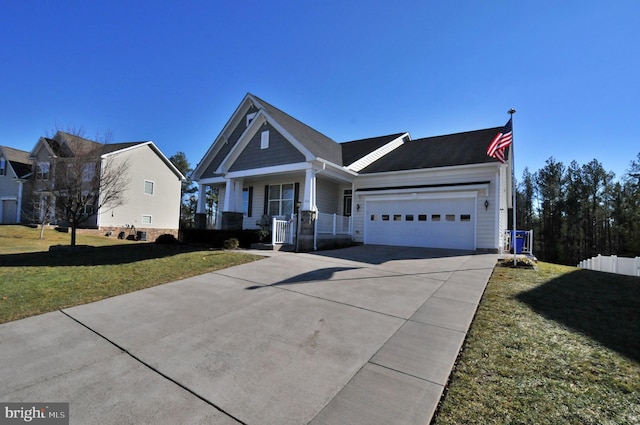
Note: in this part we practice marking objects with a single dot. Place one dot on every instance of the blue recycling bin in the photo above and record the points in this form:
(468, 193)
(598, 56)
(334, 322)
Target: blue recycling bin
(517, 241)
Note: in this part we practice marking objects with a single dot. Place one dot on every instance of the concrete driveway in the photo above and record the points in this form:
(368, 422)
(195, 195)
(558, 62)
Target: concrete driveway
(362, 335)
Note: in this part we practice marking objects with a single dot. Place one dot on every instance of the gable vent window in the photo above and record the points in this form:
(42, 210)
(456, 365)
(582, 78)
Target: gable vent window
(148, 187)
(250, 117)
(264, 139)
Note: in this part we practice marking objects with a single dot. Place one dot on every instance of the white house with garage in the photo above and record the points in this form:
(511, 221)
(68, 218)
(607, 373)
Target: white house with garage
(440, 192)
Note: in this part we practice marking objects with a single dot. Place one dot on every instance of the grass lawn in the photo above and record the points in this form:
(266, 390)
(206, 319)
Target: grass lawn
(34, 281)
(554, 346)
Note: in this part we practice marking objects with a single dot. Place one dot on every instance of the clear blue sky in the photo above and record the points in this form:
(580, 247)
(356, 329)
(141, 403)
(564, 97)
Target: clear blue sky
(174, 72)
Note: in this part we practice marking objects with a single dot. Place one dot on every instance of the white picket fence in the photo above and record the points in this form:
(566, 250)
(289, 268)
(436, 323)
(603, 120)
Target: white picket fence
(613, 264)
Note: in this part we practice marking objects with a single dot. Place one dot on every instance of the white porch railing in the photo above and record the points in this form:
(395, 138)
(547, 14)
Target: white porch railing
(523, 243)
(283, 231)
(613, 264)
(333, 224)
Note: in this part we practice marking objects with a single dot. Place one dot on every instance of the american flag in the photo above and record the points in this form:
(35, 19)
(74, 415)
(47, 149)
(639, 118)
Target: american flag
(500, 142)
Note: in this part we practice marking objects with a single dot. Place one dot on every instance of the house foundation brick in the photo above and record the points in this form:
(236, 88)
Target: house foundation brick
(231, 221)
(306, 231)
(113, 232)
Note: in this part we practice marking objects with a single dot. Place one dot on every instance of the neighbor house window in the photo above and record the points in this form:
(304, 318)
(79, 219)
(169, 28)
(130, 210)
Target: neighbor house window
(281, 198)
(148, 187)
(88, 171)
(42, 171)
(146, 219)
(264, 139)
(3, 167)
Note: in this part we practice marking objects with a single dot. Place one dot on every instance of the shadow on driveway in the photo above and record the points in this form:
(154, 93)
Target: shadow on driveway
(315, 275)
(380, 254)
(606, 310)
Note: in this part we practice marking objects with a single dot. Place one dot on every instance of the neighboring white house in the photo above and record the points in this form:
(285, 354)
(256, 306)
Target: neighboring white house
(441, 192)
(15, 170)
(151, 195)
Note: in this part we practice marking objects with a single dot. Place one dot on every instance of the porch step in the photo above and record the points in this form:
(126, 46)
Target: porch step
(271, 247)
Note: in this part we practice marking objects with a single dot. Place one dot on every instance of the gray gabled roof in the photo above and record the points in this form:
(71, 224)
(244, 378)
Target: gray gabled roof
(19, 160)
(317, 143)
(440, 151)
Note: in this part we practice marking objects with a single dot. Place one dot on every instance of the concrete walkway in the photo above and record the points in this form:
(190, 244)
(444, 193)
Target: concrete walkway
(363, 335)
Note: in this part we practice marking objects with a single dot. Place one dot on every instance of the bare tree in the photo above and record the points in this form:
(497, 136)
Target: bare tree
(84, 180)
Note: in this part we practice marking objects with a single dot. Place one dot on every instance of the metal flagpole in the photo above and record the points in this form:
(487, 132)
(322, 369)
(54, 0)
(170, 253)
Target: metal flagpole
(513, 189)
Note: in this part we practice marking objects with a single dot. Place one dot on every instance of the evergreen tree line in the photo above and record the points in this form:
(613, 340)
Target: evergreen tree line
(580, 211)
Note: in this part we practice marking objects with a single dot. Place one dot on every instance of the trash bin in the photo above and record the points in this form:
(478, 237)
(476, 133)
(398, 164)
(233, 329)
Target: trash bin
(141, 236)
(518, 240)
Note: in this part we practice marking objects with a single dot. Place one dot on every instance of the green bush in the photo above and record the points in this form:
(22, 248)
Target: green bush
(232, 243)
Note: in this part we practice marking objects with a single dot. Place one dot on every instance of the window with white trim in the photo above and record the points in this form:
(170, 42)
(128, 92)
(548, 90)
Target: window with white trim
(3, 166)
(42, 170)
(88, 171)
(281, 198)
(264, 139)
(148, 187)
(146, 219)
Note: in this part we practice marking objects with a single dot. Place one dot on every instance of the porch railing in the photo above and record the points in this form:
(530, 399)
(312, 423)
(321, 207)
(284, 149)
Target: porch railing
(283, 231)
(333, 224)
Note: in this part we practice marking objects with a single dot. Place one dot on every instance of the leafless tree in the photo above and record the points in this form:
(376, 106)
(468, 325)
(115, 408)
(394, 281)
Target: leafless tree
(85, 180)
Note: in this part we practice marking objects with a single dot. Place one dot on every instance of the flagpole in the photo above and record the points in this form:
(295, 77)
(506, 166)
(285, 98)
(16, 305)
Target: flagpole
(513, 190)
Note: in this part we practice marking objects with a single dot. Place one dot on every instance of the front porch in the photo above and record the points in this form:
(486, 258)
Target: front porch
(305, 209)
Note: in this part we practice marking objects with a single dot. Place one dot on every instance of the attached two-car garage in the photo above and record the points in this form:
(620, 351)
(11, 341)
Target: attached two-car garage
(432, 222)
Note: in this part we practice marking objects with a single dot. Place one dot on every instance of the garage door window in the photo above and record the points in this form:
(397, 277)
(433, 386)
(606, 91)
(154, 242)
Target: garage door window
(450, 217)
(385, 217)
(408, 217)
(435, 217)
(374, 217)
(397, 217)
(422, 217)
(465, 217)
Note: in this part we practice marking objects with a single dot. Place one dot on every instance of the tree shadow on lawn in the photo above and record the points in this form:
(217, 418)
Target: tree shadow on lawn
(602, 306)
(94, 256)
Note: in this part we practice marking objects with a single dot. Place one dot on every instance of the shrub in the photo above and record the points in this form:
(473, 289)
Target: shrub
(232, 243)
(166, 239)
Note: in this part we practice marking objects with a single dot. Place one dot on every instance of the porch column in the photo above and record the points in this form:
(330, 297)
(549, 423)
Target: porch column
(309, 200)
(233, 195)
(19, 212)
(202, 199)
(232, 209)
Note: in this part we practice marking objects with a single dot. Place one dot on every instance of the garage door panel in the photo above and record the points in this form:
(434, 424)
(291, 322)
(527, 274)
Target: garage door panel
(434, 223)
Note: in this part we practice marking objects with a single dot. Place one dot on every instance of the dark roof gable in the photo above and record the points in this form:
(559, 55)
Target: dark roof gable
(440, 151)
(317, 143)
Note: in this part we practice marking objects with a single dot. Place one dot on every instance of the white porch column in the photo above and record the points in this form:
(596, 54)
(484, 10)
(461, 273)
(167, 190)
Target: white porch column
(309, 199)
(202, 199)
(233, 196)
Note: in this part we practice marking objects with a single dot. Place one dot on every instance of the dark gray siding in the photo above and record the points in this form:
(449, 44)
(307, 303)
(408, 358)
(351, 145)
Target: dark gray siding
(226, 147)
(279, 152)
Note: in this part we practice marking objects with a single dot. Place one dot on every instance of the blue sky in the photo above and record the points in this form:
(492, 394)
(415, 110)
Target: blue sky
(174, 72)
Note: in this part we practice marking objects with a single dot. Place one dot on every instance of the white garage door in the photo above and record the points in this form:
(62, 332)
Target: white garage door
(432, 223)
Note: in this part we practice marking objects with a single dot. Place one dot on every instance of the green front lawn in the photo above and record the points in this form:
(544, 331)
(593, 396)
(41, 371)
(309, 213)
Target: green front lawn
(34, 281)
(554, 346)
